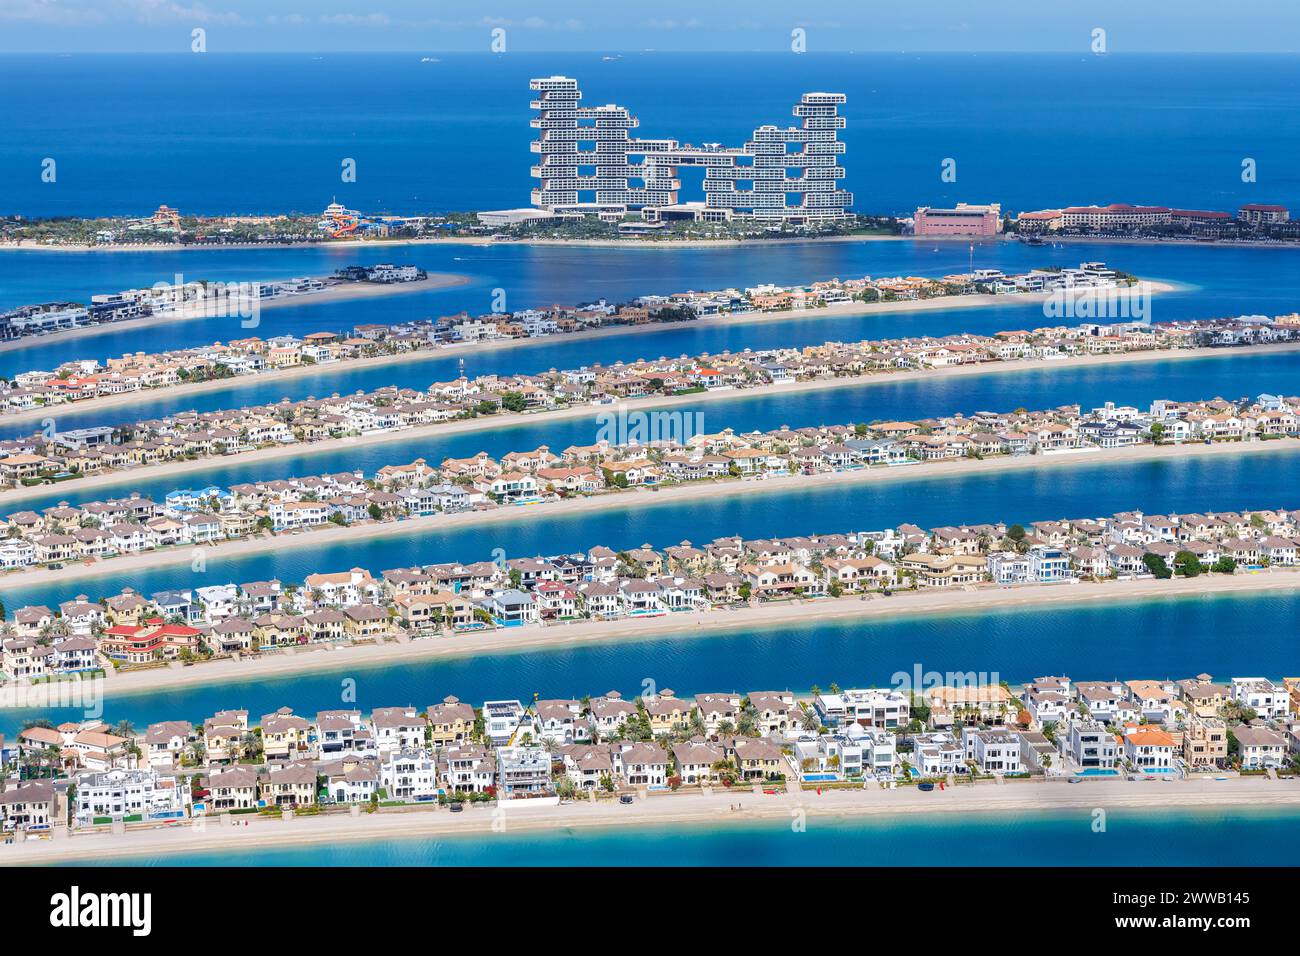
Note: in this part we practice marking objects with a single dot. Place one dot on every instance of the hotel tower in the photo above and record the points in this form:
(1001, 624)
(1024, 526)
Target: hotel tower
(590, 163)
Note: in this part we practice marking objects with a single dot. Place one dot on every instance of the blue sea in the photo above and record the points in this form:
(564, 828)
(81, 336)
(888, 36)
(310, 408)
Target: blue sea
(257, 133)
(1031, 839)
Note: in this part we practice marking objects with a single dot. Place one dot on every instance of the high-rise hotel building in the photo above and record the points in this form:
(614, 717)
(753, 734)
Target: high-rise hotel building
(590, 163)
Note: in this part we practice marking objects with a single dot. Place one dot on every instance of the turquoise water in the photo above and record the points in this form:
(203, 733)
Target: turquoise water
(1158, 638)
(1228, 281)
(1056, 838)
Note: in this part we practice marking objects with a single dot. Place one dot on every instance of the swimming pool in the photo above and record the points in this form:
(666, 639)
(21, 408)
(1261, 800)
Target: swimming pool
(1097, 772)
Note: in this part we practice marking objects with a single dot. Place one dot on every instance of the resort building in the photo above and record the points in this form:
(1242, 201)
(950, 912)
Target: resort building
(963, 221)
(1116, 216)
(590, 164)
(1263, 214)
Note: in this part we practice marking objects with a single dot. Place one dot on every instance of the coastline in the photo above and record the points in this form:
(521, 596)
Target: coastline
(340, 293)
(714, 810)
(837, 310)
(31, 245)
(926, 602)
(509, 420)
(649, 242)
(637, 497)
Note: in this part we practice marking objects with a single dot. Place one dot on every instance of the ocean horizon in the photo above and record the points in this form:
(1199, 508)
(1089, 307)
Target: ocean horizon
(261, 133)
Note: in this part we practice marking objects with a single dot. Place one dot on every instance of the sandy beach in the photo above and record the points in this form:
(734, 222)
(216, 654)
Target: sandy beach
(721, 808)
(838, 310)
(639, 497)
(339, 293)
(690, 625)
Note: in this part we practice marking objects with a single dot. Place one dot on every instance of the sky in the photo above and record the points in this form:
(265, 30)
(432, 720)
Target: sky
(1037, 26)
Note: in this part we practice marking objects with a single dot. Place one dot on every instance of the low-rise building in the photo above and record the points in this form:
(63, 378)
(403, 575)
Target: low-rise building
(138, 795)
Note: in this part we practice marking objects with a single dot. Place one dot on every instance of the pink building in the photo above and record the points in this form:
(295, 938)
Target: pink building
(961, 222)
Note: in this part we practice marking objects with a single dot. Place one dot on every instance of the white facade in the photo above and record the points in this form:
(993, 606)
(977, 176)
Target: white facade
(1261, 695)
(118, 794)
(410, 775)
(1088, 744)
(871, 707)
(993, 751)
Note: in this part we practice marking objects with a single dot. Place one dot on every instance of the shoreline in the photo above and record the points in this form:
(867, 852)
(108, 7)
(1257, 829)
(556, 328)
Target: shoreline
(634, 497)
(346, 292)
(530, 638)
(506, 421)
(31, 245)
(711, 810)
(837, 310)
